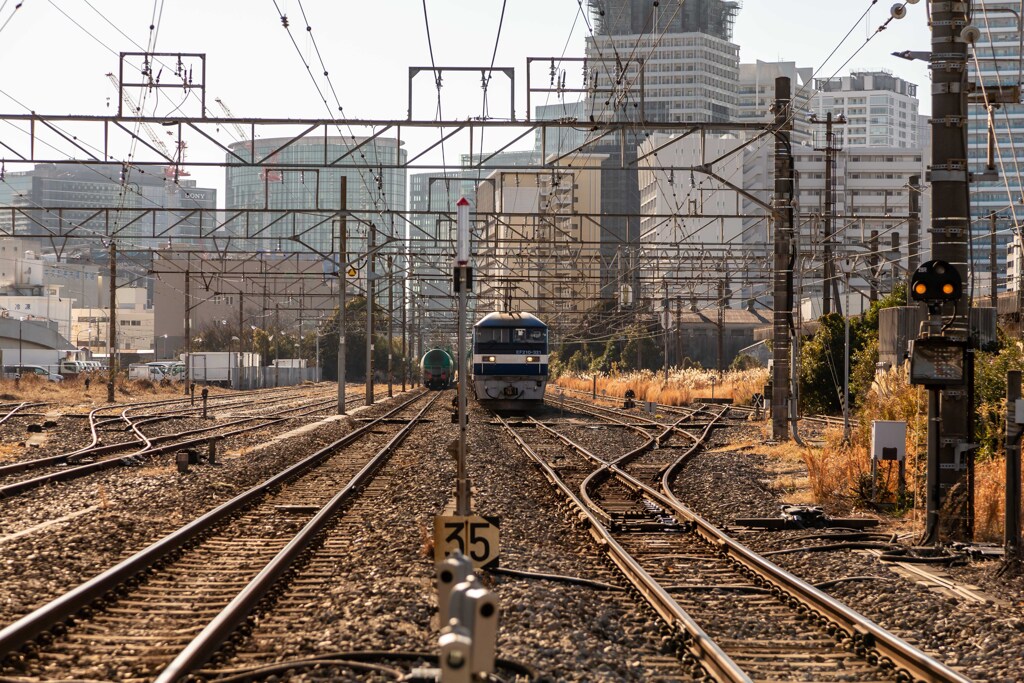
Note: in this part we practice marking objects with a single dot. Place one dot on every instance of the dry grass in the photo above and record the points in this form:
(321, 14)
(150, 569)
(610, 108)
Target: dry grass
(839, 474)
(10, 452)
(72, 390)
(681, 388)
(989, 499)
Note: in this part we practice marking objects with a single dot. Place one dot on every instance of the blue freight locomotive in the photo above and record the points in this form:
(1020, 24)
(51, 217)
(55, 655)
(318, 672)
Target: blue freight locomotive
(510, 360)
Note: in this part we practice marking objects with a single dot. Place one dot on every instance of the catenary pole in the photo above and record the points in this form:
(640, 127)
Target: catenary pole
(342, 286)
(950, 460)
(782, 316)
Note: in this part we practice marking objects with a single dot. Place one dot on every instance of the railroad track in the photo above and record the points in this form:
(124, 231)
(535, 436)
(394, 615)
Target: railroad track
(164, 611)
(734, 615)
(97, 456)
(552, 397)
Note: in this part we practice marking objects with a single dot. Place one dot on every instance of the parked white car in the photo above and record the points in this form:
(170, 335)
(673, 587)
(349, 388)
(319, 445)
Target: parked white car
(15, 371)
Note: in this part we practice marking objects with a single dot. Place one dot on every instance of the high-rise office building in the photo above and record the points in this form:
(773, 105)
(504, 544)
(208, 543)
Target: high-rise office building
(995, 62)
(90, 200)
(690, 69)
(306, 180)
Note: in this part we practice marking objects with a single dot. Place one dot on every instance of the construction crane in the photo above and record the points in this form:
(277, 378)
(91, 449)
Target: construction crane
(243, 137)
(175, 170)
(239, 131)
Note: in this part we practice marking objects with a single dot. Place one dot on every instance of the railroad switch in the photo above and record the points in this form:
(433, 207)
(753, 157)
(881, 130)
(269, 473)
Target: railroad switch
(805, 517)
(654, 520)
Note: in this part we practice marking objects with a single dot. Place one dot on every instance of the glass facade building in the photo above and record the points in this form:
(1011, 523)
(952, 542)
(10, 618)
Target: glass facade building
(304, 177)
(997, 64)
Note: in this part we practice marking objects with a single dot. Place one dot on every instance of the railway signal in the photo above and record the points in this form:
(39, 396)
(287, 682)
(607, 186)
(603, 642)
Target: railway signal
(936, 282)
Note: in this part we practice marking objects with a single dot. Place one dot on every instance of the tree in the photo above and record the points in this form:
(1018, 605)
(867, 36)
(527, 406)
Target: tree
(355, 343)
(821, 367)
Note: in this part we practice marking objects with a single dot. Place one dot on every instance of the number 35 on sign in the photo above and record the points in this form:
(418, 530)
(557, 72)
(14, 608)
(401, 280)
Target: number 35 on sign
(474, 536)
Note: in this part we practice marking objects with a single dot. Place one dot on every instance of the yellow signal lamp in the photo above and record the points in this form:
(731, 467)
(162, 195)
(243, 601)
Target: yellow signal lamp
(936, 282)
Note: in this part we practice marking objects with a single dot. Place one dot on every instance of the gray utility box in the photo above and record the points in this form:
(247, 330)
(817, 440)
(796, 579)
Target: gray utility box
(888, 440)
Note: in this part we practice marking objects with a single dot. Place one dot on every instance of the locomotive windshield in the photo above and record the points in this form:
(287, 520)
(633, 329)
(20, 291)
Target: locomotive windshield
(491, 337)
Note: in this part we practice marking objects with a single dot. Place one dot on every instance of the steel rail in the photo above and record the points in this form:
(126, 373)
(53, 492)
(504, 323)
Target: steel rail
(866, 635)
(220, 628)
(18, 634)
(875, 643)
(94, 448)
(17, 408)
(20, 487)
(606, 469)
(705, 651)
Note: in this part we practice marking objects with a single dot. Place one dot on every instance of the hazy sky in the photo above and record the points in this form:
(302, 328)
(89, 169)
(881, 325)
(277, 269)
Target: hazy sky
(50, 64)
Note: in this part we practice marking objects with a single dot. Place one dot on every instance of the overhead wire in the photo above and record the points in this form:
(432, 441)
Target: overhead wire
(11, 15)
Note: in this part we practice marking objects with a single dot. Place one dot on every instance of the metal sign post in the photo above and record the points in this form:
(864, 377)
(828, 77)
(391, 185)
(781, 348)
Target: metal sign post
(463, 283)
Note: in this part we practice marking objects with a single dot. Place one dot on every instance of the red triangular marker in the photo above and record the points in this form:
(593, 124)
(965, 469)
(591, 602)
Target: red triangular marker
(462, 202)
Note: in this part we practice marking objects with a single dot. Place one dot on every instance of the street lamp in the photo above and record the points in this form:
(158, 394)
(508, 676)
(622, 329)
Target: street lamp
(165, 346)
(21, 319)
(78, 337)
(235, 339)
(847, 267)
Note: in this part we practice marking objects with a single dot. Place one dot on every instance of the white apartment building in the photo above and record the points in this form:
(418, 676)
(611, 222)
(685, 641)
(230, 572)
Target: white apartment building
(880, 109)
(757, 95)
(688, 219)
(878, 148)
(135, 324)
(536, 246)
(1014, 264)
(871, 205)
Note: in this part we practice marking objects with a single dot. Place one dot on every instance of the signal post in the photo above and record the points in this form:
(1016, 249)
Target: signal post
(464, 532)
(464, 541)
(950, 454)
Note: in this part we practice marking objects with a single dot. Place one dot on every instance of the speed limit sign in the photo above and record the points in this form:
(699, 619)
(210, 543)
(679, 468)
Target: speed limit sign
(474, 536)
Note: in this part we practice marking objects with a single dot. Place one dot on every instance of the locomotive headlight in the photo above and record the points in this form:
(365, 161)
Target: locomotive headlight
(532, 359)
(489, 359)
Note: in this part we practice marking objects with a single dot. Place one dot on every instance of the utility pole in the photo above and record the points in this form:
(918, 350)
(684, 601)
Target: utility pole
(342, 286)
(679, 331)
(992, 260)
(241, 336)
(188, 322)
(914, 227)
(782, 207)
(391, 319)
(370, 279)
(872, 272)
(405, 353)
(829, 283)
(112, 369)
(951, 458)
(463, 275)
(1011, 532)
(720, 348)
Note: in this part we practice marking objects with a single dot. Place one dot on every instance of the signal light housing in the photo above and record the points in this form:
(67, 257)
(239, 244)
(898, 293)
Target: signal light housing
(936, 281)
